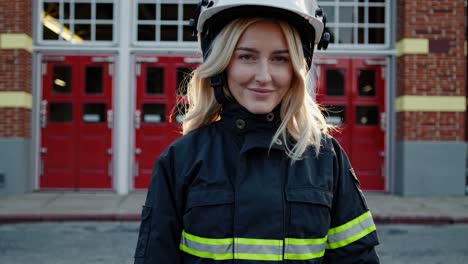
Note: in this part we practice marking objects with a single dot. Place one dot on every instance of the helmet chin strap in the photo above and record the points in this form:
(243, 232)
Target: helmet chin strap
(217, 82)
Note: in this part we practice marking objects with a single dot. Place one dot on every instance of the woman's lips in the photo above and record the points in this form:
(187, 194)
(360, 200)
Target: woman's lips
(260, 91)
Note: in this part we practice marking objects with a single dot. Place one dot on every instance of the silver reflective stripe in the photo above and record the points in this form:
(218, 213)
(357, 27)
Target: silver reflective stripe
(202, 247)
(304, 249)
(256, 249)
(352, 231)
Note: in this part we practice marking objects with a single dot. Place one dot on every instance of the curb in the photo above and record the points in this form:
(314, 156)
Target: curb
(378, 219)
(420, 220)
(14, 219)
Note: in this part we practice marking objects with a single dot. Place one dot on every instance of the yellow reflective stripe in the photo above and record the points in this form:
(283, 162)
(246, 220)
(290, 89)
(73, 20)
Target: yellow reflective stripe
(349, 224)
(209, 255)
(291, 256)
(259, 242)
(250, 256)
(351, 239)
(307, 241)
(351, 231)
(209, 241)
(252, 249)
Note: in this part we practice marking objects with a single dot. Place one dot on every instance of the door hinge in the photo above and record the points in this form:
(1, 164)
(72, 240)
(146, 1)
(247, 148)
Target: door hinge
(111, 69)
(138, 69)
(43, 69)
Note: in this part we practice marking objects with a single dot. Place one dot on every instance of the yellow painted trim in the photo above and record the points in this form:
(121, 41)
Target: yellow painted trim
(410, 103)
(15, 100)
(409, 46)
(16, 41)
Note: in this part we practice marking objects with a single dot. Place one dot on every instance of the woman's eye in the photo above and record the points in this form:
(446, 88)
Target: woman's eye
(246, 57)
(280, 59)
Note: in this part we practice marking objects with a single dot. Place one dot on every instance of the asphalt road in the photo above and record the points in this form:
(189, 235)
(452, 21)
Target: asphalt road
(113, 242)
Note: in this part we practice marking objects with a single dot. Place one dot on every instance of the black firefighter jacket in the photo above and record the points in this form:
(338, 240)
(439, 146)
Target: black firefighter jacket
(221, 195)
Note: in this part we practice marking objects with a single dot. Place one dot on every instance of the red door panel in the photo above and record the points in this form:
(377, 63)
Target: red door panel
(368, 137)
(352, 90)
(75, 133)
(157, 94)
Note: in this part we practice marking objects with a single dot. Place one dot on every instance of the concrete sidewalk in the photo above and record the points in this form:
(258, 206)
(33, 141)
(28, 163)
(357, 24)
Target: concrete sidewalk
(107, 206)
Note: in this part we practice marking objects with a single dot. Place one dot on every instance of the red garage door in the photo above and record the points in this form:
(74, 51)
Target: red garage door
(76, 122)
(353, 91)
(160, 84)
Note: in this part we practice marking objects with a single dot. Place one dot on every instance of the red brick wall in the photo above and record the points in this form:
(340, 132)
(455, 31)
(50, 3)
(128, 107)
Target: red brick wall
(439, 73)
(15, 73)
(15, 122)
(15, 69)
(16, 16)
(439, 126)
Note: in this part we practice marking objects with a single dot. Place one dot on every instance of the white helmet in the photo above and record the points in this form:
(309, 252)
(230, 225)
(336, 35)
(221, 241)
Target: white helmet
(305, 15)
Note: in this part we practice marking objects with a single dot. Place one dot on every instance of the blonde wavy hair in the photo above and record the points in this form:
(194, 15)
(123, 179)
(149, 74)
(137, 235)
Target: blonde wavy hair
(301, 116)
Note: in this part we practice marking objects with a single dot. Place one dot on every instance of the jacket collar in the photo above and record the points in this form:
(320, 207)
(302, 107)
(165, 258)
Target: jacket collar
(257, 130)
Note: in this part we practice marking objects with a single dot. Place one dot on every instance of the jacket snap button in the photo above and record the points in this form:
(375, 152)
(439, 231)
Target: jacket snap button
(278, 142)
(270, 117)
(240, 124)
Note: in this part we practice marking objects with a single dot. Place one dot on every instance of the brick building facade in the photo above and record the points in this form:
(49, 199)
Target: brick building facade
(431, 96)
(417, 47)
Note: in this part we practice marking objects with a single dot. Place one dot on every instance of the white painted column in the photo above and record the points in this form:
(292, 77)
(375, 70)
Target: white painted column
(122, 104)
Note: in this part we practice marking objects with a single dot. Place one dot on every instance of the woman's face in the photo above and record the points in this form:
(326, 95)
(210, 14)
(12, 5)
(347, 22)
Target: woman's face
(260, 71)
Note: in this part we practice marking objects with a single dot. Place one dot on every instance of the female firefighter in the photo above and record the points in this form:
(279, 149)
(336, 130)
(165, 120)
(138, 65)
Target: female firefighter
(256, 178)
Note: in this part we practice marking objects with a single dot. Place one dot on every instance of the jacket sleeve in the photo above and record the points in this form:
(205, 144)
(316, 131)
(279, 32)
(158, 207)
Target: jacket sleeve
(160, 228)
(352, 235)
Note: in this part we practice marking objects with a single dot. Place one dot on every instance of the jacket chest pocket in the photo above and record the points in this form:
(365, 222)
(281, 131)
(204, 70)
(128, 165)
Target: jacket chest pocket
(209, 213)
(309, 212)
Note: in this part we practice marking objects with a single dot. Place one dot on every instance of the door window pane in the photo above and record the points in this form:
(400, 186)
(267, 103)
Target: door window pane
(377, 15)
(94, 82)
(335, 114)
(104, 32)
(83, 31)
(335, 82)
(146, 11)
(94, 113)
(346, 35)
(366, 83)
(169, 11)
(168, 33)
(189, 11)
(154, 80)
(376, 35)
(367, 115)
(82, 11)
(60, 112)
(188, 34)
(146, 32)
(104, 11)
(154, 113)
(347, 14)
(183, 75)
(52, 9)
(62, 80)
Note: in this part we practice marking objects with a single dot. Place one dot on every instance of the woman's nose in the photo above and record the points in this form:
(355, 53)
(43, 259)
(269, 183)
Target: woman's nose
(263, 74)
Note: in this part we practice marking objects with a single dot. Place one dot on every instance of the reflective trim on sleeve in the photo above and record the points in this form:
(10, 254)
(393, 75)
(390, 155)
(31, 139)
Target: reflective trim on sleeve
(304, 249)
(353, 230)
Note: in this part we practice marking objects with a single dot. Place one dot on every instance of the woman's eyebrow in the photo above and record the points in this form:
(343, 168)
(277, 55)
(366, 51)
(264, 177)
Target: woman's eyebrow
(256, 51)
